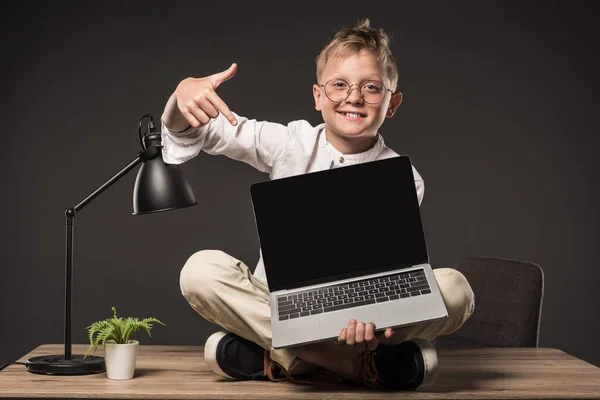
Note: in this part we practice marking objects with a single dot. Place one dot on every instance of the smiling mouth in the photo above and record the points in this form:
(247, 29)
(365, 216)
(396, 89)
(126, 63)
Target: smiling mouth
(352, 116)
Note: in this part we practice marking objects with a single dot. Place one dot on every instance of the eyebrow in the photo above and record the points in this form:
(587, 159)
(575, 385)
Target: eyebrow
(372, 78)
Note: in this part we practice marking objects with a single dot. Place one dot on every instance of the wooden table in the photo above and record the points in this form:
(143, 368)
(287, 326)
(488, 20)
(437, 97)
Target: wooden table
(179, 372)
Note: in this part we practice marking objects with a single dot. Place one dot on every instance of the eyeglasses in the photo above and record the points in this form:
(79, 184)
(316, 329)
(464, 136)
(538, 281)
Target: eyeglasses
(338, 90)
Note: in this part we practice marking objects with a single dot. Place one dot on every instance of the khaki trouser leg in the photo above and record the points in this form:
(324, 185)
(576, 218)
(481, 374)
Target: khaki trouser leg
(460, 304)
(223, 291)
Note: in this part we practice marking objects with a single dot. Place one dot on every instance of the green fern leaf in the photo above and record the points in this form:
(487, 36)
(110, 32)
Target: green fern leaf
(117, 329)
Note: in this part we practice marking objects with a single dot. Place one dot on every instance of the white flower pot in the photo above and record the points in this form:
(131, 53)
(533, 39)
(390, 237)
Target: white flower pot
(120, 359)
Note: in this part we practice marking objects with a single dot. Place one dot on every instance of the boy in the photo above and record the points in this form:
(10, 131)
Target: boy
(355, 92)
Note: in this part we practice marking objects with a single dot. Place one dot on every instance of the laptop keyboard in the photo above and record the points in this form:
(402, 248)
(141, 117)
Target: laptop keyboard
(353, 294)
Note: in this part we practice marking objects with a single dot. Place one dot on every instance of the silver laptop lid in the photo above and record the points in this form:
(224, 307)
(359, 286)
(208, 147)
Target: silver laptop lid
(339, 223)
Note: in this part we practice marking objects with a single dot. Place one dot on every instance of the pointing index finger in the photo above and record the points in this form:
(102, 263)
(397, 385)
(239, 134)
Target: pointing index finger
(222, 108)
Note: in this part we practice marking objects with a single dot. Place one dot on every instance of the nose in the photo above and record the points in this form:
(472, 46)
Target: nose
(354, 96)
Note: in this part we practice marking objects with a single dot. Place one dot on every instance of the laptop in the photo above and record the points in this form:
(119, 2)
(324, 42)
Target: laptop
(344, 243)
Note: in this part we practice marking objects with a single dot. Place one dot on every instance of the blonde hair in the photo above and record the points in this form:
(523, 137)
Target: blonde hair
(348, 41)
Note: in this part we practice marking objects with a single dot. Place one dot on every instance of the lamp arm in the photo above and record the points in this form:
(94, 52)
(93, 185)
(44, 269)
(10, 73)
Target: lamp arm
(145, 155)
(142, 156)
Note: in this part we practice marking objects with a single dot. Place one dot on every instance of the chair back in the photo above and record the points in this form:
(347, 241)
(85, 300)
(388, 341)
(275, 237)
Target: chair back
(508, 304)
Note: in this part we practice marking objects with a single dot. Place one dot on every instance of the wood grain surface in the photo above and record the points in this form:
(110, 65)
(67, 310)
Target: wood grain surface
(179, 372)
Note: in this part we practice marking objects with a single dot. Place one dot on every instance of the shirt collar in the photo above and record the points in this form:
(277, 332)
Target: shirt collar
(335, 154)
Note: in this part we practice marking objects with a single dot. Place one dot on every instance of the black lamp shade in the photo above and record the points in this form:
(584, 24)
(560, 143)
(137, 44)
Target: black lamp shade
(161, 187)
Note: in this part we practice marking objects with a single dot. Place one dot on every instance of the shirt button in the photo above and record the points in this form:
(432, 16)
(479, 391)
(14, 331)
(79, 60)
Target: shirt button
(341, 160)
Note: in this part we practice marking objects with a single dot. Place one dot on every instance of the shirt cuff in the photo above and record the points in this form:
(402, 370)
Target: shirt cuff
(191, 131)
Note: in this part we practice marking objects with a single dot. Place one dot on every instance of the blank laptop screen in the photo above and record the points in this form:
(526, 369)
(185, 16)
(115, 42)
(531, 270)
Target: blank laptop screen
(339, 223)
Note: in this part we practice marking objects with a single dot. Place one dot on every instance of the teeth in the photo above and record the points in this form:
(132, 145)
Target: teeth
(352, 115)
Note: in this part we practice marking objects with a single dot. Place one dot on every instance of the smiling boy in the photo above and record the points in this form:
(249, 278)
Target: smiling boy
(355, 91)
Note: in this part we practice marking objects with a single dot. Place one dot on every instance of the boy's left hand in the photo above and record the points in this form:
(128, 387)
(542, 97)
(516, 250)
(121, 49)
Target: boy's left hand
(362, 335)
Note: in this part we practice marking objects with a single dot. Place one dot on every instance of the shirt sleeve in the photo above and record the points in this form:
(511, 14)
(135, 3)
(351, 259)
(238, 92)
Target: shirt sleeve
(258, 143)
(419, 185)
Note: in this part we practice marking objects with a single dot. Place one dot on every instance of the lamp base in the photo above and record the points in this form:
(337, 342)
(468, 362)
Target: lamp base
(57, 365)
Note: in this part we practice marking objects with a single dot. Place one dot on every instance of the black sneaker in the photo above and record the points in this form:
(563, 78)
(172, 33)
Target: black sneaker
(407, 366)
(234, 357)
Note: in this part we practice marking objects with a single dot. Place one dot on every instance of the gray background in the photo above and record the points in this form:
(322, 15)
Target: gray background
(500, 117)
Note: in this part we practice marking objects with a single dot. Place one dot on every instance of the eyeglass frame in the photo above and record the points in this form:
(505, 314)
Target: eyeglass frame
(359, 90)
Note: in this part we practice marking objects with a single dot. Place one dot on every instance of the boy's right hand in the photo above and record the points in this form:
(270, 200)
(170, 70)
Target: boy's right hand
(197, 100)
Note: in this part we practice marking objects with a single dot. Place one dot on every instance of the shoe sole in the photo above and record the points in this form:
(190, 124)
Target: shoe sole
(210, 353)
(430, 361)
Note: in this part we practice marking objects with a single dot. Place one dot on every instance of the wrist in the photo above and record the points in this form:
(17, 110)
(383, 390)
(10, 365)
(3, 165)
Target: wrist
(172, 117)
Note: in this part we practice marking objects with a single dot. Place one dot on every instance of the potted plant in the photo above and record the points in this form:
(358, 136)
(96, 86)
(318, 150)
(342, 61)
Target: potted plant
(120, 353)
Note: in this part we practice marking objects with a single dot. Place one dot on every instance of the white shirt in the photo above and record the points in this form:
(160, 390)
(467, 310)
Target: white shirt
(276, 149)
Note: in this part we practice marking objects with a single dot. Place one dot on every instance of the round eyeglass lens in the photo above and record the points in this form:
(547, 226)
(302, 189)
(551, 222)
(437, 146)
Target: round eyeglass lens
(372, 92)
(337, 90)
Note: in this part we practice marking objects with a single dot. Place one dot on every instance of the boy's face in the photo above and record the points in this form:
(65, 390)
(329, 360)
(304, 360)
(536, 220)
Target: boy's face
(355, 69)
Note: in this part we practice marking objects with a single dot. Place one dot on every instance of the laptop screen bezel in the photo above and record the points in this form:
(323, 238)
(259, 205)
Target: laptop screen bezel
(276, 286)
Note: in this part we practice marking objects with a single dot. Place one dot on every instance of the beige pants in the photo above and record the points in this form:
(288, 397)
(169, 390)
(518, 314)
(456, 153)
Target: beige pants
(223, 291)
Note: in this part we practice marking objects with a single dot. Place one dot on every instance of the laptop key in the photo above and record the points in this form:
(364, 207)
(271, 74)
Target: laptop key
(319, 311)
(304, 313)
(394, 297)
(404, 295)
(291, 311)
(295, 315)
(344, 306)
(382, 299)
(425, 291)
(282, 317)
(417, 293)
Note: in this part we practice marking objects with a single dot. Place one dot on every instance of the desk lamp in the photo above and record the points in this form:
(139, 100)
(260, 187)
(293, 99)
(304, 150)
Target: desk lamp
(158, 187)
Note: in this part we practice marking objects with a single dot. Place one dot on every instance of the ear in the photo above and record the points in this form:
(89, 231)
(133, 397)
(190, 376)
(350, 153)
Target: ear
(317, 96)
(395, 102)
